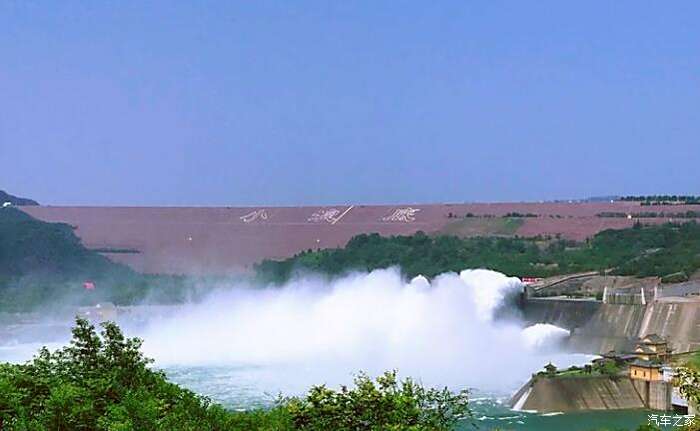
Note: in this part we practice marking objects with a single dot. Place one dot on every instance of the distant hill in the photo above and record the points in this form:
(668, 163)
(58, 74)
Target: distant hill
(14, 200)
(45, 263)
(30, 247)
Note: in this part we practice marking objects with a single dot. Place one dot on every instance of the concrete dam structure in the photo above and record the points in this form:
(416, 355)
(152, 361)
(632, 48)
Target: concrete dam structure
(676, 319)
(217, 240)
(598, 328)
(630, 311)
(548, 395)
(569, 394)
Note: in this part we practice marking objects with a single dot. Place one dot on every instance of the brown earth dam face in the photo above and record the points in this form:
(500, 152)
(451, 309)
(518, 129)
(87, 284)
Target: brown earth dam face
(220, 240)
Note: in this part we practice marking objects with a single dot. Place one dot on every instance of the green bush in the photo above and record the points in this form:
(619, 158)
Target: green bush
(607, 368)
(103, 382)
(642, 251)
(676, 277)
(386, 404)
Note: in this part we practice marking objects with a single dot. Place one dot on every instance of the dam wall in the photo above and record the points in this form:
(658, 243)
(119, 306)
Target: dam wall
(565, 313)
(570, 394)
(595, 327)
(612, 327)
(677, 320)
(656, 395)
(221, 240)
(598, 328)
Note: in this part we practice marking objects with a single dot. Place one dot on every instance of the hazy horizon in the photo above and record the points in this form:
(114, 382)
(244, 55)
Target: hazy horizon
(313, 103)
(589, 199)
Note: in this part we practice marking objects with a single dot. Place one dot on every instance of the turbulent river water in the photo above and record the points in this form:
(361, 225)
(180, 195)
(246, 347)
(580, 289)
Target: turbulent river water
(240, 388)
(243, 346)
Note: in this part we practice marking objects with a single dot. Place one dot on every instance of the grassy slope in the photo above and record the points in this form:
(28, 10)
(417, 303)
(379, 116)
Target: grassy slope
(482, 226)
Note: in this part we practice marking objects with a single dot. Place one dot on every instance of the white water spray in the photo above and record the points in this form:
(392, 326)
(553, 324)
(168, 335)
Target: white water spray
(442, 332)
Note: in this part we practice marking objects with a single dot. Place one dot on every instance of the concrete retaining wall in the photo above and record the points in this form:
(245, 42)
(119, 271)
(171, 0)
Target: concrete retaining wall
(569, 314)
(677, 320)
(598, 328)
(612, 327)
(548, 395)
(656, 395)
(595, 327)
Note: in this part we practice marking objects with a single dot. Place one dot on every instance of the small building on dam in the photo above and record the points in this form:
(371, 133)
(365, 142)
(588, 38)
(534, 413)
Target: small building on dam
(639, 380)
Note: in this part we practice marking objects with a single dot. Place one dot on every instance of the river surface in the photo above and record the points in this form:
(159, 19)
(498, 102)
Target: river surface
(246, 387)
(241, 388)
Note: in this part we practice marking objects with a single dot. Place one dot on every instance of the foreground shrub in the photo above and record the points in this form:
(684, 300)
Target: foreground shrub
(386, 404)
(103, 382)
(98, 382)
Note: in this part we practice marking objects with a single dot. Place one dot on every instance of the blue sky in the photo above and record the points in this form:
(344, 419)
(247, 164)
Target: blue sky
(304, 102)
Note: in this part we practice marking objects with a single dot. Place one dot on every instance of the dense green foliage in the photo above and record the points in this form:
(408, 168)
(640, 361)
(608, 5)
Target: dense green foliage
(650, 214)
(640, 251)
(103, 382)
(663, 199)
(688, 382)
(97, 383)
(386, 404)
(519, 215)
(45, 262)
(693, 362)
(32, 247)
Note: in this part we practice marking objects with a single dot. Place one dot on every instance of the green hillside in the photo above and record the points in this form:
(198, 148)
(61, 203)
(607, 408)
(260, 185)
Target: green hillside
(14, 200)
(29, 247)
(45, 263)
(670, 250)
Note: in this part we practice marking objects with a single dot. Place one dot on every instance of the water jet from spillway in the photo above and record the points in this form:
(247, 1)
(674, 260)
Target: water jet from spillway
(442, 331)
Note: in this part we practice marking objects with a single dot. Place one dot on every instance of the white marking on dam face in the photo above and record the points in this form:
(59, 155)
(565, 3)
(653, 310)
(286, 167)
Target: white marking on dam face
(644, 327)
(254, 215)
(347, 210)
(521, 401)
(402, 215)
(329, 215)
(324, 215)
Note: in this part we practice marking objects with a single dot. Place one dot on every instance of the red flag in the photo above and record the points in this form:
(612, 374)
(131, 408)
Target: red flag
(89, 285)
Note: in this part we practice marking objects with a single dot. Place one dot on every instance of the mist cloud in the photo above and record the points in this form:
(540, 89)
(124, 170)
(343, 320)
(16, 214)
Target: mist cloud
(443, 331)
